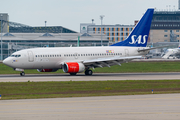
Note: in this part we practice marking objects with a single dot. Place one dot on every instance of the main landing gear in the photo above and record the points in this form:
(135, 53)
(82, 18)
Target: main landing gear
(22, 73)
(88, 72)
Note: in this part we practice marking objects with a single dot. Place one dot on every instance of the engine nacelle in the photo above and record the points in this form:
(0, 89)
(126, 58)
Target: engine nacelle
(73, 67)
(47, 70)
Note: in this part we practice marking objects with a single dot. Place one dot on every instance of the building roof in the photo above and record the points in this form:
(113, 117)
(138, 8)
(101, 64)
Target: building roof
(52, 37)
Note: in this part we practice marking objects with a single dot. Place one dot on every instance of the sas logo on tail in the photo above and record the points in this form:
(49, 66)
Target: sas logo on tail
(138, 40)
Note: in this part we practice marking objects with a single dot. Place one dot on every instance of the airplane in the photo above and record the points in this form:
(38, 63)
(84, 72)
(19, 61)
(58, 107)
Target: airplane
(74, 60)
(172, 52)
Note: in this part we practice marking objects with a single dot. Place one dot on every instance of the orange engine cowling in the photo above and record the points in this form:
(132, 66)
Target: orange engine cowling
(47, 70)
(73, 67)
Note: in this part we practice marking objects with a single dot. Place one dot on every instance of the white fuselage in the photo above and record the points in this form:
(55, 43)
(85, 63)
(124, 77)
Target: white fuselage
(40, 58)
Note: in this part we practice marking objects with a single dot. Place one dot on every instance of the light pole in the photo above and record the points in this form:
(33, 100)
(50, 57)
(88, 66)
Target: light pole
(101, 17)
(45, 23)
(1, 38)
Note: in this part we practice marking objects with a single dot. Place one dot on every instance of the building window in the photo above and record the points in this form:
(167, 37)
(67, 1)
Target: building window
(98, 29)
(107, 29)
(121, 29)
(121, 38)
(117, 34)
(177, 30)
(165, 30)
(112, 34)
(117, 39)
(177, 35)
(165, 35)
(93, 29)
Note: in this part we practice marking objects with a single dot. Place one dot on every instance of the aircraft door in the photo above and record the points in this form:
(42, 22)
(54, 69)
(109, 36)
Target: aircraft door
(30, 56)
(126, 52)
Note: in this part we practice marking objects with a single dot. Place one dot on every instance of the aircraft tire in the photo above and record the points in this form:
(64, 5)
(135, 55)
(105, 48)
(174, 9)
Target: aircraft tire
(88, 72)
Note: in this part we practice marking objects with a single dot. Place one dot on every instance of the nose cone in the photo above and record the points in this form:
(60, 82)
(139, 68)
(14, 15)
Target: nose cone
(7, 62)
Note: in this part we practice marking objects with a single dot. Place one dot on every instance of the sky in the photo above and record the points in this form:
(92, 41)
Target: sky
(70, 13)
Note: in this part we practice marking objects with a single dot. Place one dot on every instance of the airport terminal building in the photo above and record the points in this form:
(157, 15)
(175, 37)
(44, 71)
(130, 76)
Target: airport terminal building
(114, 33)
(17, 36)
(16, 41)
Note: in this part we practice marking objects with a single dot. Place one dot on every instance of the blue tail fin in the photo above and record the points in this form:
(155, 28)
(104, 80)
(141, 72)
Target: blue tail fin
(139, 36)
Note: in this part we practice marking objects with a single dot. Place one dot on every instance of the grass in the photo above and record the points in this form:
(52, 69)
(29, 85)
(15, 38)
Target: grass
(126, 67)
(33, 90)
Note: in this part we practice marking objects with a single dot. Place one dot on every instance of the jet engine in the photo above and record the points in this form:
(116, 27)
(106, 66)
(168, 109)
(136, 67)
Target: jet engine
(47, 70)
(73, 67)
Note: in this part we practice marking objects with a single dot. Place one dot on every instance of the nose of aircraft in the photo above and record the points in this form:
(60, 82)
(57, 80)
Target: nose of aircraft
(6, 61)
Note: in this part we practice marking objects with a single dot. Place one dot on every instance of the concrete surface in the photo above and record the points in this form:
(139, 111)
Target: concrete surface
(132, 107)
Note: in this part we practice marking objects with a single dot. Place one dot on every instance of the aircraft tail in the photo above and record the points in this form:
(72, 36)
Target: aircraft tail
(139, 35)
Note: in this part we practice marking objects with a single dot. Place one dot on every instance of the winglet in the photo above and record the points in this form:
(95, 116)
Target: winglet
(139, 35)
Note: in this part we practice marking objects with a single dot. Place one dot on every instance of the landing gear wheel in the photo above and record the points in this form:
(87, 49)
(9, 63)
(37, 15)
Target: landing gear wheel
(72, 73)
(88, 72)
(22, 74)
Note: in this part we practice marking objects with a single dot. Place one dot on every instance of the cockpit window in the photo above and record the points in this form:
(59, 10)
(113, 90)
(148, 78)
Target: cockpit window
(15, 55)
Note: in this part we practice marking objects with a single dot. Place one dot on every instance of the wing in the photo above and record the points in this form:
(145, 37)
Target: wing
(107, 62)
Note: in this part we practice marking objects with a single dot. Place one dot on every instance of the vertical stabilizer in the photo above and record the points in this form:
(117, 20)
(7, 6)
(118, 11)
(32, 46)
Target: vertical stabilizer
(139, 35)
